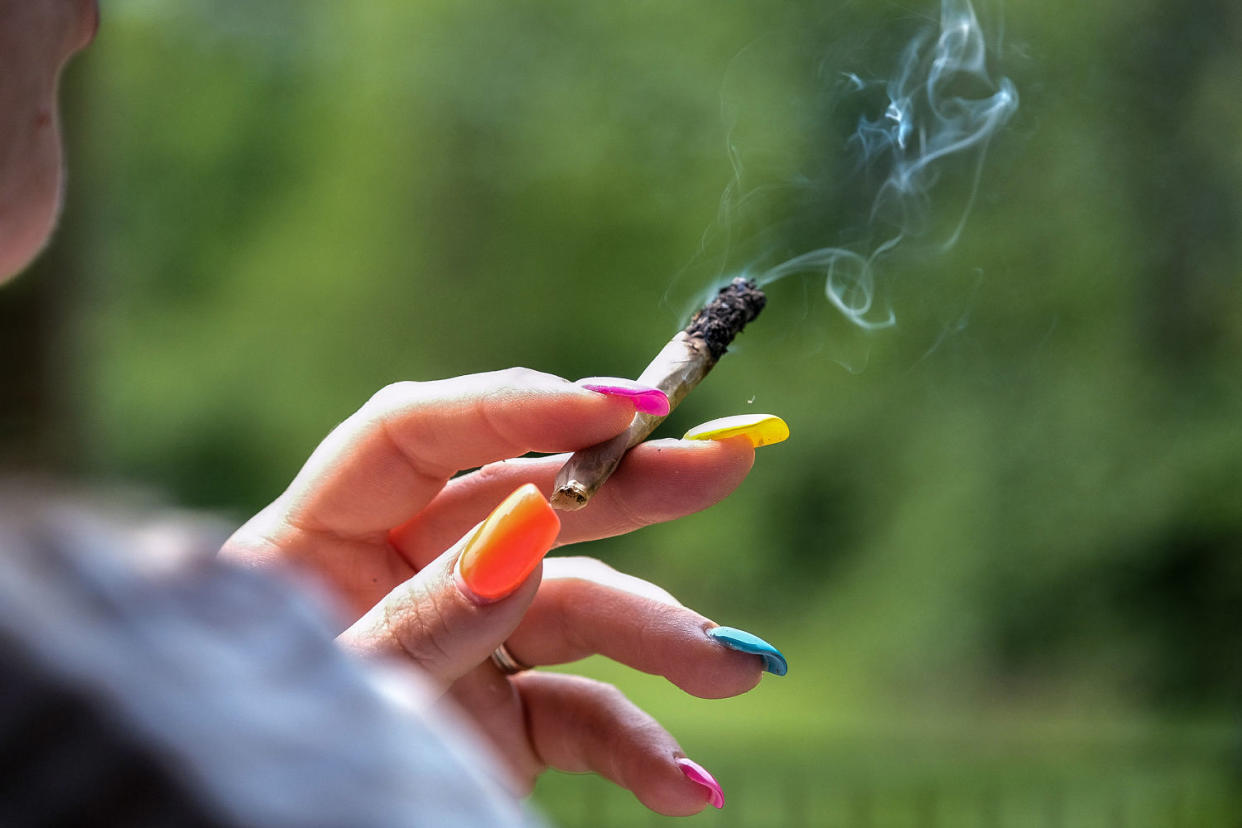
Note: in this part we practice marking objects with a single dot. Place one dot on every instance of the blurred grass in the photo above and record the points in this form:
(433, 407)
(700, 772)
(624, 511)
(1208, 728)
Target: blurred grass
(828, 789)
(802, 751)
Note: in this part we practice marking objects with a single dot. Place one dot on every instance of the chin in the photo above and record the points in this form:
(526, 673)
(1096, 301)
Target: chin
(23, 243)
(32, 201)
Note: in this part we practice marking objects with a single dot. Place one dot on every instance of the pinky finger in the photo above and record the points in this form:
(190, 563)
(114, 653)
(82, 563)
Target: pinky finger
(581, 725)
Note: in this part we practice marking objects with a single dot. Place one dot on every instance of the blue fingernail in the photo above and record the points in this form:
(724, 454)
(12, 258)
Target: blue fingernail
(743, 641)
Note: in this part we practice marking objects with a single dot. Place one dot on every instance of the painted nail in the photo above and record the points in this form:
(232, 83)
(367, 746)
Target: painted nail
(507, 547)
(742, 641)
(760, 429)
(697, 773)
(646, 400)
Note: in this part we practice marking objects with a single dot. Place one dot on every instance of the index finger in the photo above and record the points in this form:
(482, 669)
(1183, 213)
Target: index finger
(394, 455)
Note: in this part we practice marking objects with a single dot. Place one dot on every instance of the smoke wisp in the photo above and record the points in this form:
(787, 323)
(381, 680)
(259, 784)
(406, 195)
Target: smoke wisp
(941, 103)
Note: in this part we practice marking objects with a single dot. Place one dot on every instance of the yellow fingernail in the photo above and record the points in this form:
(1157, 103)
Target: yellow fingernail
(760, 429)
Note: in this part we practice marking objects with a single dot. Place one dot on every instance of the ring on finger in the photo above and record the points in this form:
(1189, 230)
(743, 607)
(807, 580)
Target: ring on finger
(506, 663)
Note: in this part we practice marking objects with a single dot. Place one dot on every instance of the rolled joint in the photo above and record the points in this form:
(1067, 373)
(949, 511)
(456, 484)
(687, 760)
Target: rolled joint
(676, 370)
(570, 497)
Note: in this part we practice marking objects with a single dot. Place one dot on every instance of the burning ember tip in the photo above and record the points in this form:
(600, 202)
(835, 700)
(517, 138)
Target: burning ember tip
(676, 370)
(734, 307)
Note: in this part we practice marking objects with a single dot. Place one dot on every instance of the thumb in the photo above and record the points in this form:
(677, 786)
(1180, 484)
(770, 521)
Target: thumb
(451, 615)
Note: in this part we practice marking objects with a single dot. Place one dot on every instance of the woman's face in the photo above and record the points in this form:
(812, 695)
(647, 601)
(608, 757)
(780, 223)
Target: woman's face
(37, 38)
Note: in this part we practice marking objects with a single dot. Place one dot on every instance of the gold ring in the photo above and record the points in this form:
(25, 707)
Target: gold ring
(506, 663)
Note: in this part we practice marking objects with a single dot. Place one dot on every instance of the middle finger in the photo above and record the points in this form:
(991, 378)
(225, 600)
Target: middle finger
(585, 607)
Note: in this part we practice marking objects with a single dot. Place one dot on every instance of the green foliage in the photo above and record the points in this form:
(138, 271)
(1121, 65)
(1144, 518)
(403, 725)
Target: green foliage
(1029, 497)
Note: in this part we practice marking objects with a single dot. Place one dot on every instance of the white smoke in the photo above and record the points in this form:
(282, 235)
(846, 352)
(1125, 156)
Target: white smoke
(941, 103)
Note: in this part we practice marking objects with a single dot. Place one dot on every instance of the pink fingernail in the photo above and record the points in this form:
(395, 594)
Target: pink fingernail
(697, 773)
(646, 400)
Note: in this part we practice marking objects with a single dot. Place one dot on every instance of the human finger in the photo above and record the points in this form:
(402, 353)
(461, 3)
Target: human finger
(585, 607)
(580, 725)
(450, 615)
(658, 481)
(387, 460)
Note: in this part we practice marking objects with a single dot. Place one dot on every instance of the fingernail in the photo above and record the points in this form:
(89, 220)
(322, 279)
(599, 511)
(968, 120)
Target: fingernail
(760, 429)
(742, 641)
(508, 546)
(697, 773)
(646, 400)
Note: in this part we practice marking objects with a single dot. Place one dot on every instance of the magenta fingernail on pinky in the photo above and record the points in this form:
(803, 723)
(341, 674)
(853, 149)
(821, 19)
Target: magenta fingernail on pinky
(646, 400)
(697, 773)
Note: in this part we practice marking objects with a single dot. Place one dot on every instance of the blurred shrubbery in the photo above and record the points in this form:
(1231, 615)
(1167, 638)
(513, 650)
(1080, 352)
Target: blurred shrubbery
(1028, 499)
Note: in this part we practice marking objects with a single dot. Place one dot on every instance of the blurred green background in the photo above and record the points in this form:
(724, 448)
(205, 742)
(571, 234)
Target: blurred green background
(1003, 548)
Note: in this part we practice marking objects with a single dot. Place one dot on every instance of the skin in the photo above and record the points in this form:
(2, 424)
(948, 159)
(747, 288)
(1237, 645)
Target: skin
(378, 515)
(37, 38)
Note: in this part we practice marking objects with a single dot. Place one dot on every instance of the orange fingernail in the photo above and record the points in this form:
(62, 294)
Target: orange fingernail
(509, 544)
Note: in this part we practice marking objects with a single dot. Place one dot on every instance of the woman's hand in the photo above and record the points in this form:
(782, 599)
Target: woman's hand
(376, 507)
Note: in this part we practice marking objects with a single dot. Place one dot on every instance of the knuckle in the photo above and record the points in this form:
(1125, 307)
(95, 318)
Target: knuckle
(508, 382)
(492, 471)
(594, 572)
(417, 624)
(520, 376)
(606, 695)
(665, 616)
(628, 515)
(586, 567)
(393, 394)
